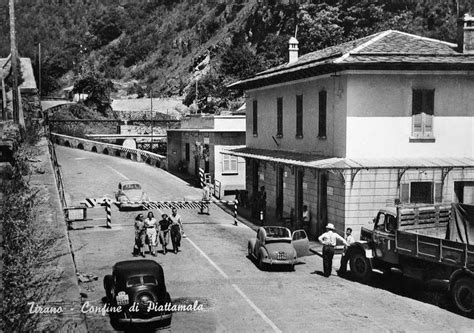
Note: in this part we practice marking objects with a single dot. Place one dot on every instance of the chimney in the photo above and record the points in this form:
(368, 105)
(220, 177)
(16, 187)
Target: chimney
(466, 34)
(293, 50)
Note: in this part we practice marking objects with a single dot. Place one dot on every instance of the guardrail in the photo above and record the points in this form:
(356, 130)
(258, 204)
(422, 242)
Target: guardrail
(57, 174)
(110, 149)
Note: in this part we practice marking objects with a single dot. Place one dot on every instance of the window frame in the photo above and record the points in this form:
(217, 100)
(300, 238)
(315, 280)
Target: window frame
(187, 152)
(299, 116)
(230, 170)
(322, 115)
(255, 117)
(422, 113)
(279, 117)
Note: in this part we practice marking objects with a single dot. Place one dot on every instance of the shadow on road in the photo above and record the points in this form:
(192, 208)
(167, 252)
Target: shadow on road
(431, 292)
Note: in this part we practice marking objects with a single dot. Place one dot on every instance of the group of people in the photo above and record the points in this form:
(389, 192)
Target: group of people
(149, 231)
(329, 239)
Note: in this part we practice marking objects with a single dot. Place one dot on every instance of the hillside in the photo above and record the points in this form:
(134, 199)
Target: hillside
(165, 45)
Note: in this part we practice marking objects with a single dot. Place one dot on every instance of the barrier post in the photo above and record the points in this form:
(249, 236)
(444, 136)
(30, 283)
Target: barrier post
(108, 212)
(261, 217)
(235, 211)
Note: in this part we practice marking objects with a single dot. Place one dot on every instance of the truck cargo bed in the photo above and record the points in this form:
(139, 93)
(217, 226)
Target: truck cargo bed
(434, 249)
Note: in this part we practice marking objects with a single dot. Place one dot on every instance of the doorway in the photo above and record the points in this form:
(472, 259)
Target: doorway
(299, 195)
(279, 191)
(323, 203)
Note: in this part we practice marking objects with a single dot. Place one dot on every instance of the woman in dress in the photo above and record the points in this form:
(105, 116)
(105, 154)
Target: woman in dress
(140, 235)
(150, 225)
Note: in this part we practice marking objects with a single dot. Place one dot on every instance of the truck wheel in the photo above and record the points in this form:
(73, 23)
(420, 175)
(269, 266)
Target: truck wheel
(360, 266)
(463, 295)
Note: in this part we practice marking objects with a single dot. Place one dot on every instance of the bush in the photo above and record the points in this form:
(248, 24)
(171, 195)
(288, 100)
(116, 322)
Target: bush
(27, 250)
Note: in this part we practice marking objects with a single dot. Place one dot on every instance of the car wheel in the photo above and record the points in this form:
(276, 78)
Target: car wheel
(249, 251)
(261, 264)
(360, 266)
(108, 284)
(292, 267)
(463, 295)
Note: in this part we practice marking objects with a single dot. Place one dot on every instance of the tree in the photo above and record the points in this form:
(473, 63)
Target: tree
(97, 89)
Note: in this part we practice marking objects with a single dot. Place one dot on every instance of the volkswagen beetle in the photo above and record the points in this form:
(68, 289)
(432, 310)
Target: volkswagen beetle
(138, 287)
(275, 245)
(130, 195)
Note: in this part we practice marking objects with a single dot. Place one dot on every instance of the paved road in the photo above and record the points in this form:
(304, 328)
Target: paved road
(212, 268)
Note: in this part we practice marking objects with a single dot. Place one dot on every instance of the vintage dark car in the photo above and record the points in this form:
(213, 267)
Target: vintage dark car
(130, 195)
(138, 286)
(275, 245)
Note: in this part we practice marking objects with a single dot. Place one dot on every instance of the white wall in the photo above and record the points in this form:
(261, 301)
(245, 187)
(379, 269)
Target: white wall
(236, 123)
(379, 122)
(228, 182)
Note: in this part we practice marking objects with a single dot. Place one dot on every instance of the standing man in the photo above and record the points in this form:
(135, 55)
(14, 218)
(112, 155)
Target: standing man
(329, 239)
(345, 256)
(206, 199)
(176, 218)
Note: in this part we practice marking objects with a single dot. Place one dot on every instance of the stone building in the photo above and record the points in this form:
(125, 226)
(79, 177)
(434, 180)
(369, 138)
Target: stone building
(351, 128)
(197, 145)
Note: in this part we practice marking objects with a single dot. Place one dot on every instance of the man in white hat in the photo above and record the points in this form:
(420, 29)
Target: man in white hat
(328, 239)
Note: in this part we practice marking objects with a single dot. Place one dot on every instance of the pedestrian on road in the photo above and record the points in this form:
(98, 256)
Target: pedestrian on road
(164, 229)
(328, 239)
(140, 236)
(206, 198)
(176, 218)
(175, 233)
(151, 224)
(345, 256)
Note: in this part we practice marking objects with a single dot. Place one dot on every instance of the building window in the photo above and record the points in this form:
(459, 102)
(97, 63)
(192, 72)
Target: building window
(279, 116)
(299, 116)
(421, 192)
(187, 152)
(322, 113)
(229, 164)
(422, 113)
(255, 118)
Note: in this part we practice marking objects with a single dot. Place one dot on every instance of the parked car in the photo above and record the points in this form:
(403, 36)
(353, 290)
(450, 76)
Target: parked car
(137, 283)
(130, 195)
(275, 245)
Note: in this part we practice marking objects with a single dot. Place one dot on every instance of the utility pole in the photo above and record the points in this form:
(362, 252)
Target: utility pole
(151, 111)
(14, 60)
(39, 69)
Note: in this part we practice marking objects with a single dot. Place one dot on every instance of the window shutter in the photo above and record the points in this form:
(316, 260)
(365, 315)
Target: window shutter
(417, 101)
(438, 194)
(233, 163)
(280, 116)
(322, 113)
(427, 124)
(255, 117)
(299, 115)
(225, 163)
(417, 124)
(405, 193)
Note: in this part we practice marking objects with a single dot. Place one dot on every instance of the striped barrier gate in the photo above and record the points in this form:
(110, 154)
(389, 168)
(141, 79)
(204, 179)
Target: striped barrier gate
(147, 205)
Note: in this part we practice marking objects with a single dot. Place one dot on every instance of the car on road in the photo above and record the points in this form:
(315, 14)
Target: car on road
(130, 195)
(138, 287)
(274, 245)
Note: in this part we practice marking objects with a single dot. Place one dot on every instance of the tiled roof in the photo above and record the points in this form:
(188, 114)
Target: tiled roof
(389, 49)
(326, 162)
